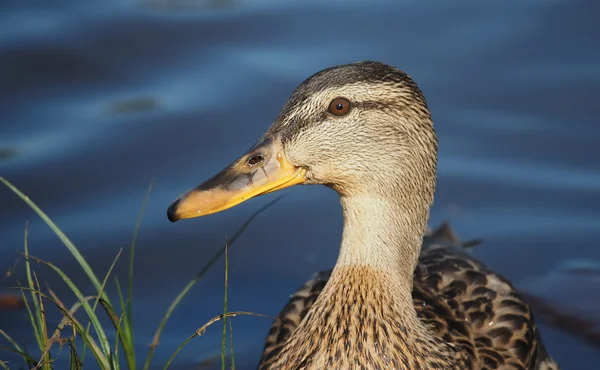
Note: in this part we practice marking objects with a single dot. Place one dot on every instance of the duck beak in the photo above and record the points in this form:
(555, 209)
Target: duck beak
(263, 169)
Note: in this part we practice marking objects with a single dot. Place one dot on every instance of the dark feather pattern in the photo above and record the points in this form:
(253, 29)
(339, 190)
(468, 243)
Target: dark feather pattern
(457, 298)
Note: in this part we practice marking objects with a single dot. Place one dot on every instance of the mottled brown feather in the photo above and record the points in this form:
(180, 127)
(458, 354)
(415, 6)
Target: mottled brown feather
(457, 298)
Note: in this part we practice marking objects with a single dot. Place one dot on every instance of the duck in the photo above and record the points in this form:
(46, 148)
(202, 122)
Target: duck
(393, 300)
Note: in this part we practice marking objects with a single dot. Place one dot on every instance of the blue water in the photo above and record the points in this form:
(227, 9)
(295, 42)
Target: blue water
(98, 98)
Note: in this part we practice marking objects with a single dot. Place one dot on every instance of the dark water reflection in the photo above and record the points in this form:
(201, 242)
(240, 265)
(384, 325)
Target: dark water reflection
(98, 98)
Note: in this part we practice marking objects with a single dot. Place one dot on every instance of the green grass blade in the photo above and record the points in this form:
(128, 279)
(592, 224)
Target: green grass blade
(129, 353)
(186, 289)
(225, 301)
(125, 330)
(21, 353)
(132, 248)
(231, 345)
(117, 338)
(37, 322)
(65, 321)
(86, 306)
(125, 327)
(29, 312)
(10, 339)
(74, 362)
(28, 360)
(109, 308)
(30, 315)
(102, 287)
(185, 342)
(66, 241)
(202, 330)
(116, 321)
(76, 254)
(45, 360)
(119, 333)
(122, 328)
(89, 340)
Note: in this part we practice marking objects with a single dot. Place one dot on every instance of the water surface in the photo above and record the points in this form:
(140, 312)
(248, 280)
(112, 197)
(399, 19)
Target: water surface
(99, 98)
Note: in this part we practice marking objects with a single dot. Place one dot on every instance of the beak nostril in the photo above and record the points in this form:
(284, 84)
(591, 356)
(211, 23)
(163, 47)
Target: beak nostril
(257, 159)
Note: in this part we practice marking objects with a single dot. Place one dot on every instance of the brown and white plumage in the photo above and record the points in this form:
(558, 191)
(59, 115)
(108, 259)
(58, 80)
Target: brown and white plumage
(457, 298)
(365, 130)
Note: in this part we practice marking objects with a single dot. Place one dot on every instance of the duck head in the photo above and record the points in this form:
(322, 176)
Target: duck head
(361, 129)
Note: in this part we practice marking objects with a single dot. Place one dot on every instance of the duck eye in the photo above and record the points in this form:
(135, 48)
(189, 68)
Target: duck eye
(339, 107)
(257, 159)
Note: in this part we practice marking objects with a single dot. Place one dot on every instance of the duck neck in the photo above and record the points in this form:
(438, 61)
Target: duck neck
(384, 236)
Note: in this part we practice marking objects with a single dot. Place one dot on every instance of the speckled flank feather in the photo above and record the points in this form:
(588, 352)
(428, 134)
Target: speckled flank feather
(454, 295)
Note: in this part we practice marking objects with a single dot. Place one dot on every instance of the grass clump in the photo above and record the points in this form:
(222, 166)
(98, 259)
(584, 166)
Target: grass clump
(80, 337)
